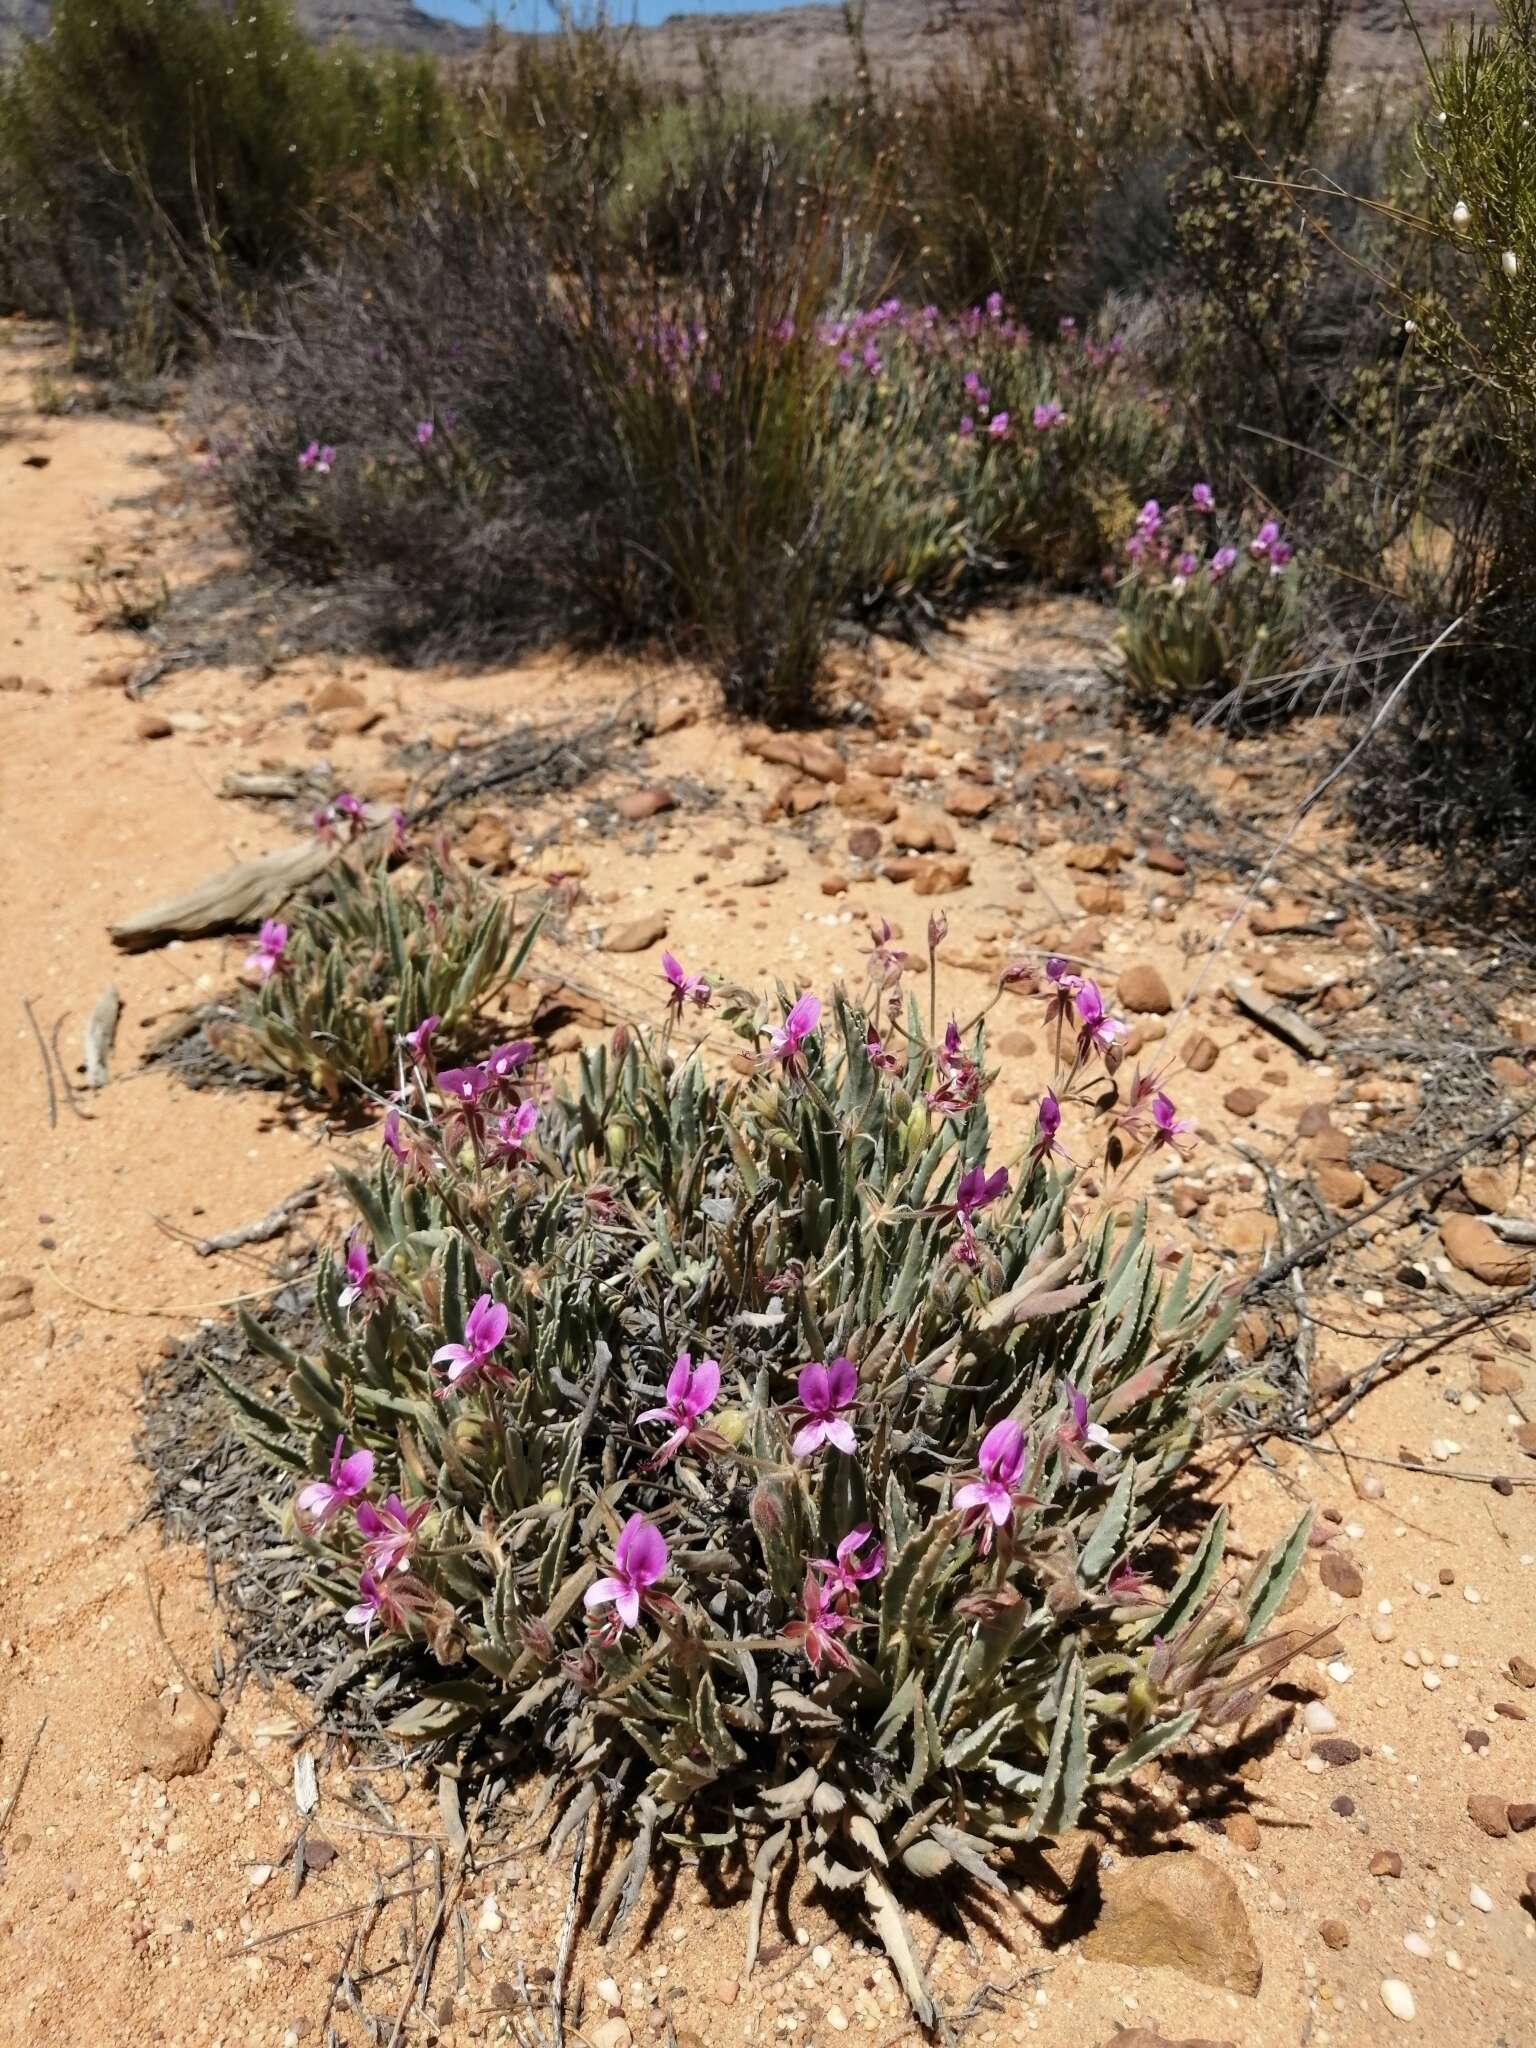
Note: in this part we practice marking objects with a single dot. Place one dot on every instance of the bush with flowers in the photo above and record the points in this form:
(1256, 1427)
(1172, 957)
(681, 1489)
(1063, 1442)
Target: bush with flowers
(745, 1444)
(1199, 612)
(350, 988)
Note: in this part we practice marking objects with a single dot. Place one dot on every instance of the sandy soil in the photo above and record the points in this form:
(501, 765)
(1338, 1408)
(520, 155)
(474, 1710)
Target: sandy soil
(149, 1909)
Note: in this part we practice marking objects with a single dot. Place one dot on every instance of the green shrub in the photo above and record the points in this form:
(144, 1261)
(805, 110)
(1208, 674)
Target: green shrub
(339, 987)
(188, 148)
(1197, 617)
(904, 1602)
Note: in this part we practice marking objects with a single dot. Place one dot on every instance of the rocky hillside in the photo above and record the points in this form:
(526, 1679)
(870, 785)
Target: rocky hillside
(389, 24)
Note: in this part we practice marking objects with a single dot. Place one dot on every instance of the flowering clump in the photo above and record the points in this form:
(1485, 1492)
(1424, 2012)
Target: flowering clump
(1200, 614)
(354, 992)
(880, 1568)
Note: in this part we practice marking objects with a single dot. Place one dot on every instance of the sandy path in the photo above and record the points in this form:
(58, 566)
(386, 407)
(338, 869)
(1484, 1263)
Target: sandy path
(125, 1902)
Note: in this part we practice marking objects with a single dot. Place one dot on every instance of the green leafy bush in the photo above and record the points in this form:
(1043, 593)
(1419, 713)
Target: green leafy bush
(1196, 618)
(186, 153)
(760, 1462)
(339, 988)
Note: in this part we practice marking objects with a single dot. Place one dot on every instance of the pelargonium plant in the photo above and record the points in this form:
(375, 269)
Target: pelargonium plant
(768, 1460)
(384, 974)
(1204, 607)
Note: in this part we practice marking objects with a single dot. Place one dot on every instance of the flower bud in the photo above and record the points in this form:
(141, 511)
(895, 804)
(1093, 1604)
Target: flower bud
(1461, 214)
(616, 1142)
(731, 1423)
(767, 1509)
(552, 1497)
(919, 1125)
(1511, 263)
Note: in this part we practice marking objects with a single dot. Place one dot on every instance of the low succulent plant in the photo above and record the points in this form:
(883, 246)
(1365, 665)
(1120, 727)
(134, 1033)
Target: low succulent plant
(350, 988)
(763, 1462)
(1197, 618)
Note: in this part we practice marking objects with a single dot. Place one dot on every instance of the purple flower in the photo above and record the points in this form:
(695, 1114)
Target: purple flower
(484, 1328)
(823, 1391)
(1149, 519)
(639, 1559)
(389, 1533)
(393, 1142)
(1096, 1028)
(1259, 547)
(505, 1061)
(1203, 498)
(994, 305)
(848, 1570)
(817, 1634)
(319, 459)
(1064, 987)
(691, 1391)
(268, 955)
(788, 1042)
(416, 1042)
(392, 1601)
(514, 1127)
(1221, 562)
(1047, 1125)
(967, 426)
(1281, 553)
(1047, 416)
(1186, 565)
(464, 1085)
(683, 988)
(871, 359)
(361, 1275)
(424, 432)
(1169, 1128)
(997, 426)
(1125, 1582)
(1077, 1434)
(991, 1498)
(977, 1191)
(1067, 324)
(882, 1061)
(323, 1499)
(973, 387)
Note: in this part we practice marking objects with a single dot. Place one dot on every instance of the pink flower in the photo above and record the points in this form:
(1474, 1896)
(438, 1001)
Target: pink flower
(957, 1080)
(363, 1277)
(392, 1601)
(417, 1042)
(319, 459)
(1186, 565)
(788, 1042)
(1126, 1583)
(393, 1142)
(818, 1633)
(1259, 547)
(882, 1061)
(323, 1499)
(967, 426)
(1150, 518)
(1077, 1434)
(1046, 416)
(1279, 555)
(682, 988)
(1096, 1028)
(847, 1571)
(691, 1391)
(639, 1559)
(1169, 1128)
(514, 1128)
(991, 1498)
(1047, 1125)
(1203, 498)
(1221, 562)
(885, 959)
(1064, 987)
(424, 432)
(484, 1328)
(997, 426)
(389, 1533)
(823, 1391)
(267, 958)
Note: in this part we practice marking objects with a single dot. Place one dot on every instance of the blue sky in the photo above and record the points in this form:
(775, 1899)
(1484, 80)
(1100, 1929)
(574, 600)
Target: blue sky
(541, 14)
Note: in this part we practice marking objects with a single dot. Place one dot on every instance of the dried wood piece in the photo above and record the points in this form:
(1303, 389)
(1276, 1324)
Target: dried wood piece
(100, 1031)
(240, 782)
(243, 894)
(1280, 1018)
(1513, 1229)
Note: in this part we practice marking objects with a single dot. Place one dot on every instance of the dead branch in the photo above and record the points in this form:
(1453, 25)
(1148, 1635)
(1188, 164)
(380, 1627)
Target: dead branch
(100, 1032)
(274, 1224)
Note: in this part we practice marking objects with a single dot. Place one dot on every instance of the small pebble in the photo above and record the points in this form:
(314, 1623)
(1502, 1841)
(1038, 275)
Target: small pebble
(1430, 1680)
(1397, 1998)
(1416, 1945)
(1319, 1718)
(1479, 1898)
(1340, 1672)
